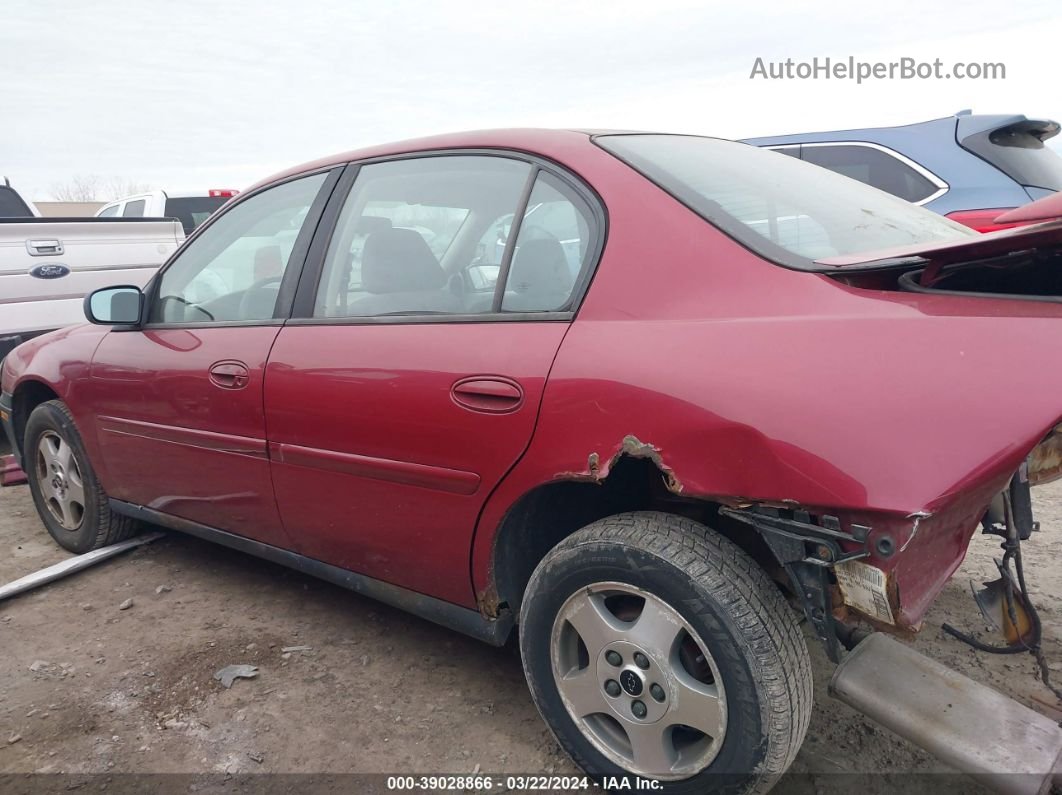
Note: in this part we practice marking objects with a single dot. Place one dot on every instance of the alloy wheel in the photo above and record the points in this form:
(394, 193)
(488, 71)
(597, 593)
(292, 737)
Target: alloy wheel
(638, 681)
(60, 481)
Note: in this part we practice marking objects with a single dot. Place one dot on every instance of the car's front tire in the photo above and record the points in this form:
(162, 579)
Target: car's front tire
(66, 491)
(654, 647)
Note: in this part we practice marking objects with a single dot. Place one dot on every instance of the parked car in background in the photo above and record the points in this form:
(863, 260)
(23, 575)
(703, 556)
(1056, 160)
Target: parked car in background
(191, 209)
(968, 167)
(12, 205)
(703, 390)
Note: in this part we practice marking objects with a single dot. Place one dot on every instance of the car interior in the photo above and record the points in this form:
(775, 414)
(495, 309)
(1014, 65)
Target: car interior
(415, 237)
(432, 242)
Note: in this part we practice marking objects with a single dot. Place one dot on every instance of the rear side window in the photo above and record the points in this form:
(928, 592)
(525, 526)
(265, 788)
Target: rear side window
(11, 204)
(1018, 150)
(873, 167)
(419, 237)
(134, 209)
(191, 211)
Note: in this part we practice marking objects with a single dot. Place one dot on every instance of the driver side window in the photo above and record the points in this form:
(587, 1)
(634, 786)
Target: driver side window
(233, 270)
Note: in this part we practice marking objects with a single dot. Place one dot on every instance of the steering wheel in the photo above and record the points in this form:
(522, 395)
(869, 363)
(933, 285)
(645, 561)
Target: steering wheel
(184, 302)
(249, 301)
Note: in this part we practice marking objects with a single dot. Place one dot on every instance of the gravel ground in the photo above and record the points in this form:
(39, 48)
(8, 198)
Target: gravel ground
(93, 690)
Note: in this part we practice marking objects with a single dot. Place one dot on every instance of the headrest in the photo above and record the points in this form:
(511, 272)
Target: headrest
(539, 265)
(268, 263)
(399, 260)
(368, 224)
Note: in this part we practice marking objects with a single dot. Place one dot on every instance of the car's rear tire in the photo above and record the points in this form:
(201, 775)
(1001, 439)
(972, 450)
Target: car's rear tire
(66, 491)
(702, 637)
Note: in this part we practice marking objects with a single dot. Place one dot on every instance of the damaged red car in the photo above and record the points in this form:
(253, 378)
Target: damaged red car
(644, 401)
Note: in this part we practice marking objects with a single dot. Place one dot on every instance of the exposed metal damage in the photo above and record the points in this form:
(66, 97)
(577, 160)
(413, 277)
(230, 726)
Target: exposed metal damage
(1045, 461)
(635, 448)
(917, 516)
(808, 551)
(489, 602)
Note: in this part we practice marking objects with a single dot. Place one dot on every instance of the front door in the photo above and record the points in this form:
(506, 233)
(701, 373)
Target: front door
(411, 383)
(178, 403)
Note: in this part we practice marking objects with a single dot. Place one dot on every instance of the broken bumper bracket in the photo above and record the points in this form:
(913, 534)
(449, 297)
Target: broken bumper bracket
(807, 552)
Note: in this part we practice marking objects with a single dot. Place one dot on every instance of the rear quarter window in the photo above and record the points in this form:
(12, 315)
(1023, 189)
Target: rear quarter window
(872, 167)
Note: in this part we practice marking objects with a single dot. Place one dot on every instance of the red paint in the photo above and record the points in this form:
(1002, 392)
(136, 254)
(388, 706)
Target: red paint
(983, 220)
(391, 494)
(176, 440)
(1048, 208)
(752, 381)
(492, 395)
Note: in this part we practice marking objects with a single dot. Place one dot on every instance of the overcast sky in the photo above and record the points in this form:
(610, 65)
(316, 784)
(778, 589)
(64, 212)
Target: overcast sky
(203, 93)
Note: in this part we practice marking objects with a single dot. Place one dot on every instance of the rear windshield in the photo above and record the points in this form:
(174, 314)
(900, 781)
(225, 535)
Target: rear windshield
(1019, 152)
(192, 211)
(786, 210)
(11, 204)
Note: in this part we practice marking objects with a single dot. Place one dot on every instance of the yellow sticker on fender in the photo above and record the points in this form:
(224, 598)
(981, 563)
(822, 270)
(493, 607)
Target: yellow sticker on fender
(863, 587)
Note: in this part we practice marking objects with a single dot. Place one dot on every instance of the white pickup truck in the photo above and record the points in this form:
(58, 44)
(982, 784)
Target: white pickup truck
(191, 209)
(48, 265)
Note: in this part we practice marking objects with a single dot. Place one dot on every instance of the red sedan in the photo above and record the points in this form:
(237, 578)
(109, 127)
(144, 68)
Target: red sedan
(626, 392)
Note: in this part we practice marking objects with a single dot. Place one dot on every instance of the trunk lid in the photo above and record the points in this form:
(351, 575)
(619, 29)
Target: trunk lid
(975, 247)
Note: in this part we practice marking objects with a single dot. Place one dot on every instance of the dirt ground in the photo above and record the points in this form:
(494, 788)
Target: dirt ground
(95, 691)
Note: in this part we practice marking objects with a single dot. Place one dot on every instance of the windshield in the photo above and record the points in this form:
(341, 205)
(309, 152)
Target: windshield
(192, 211)
(784, 209)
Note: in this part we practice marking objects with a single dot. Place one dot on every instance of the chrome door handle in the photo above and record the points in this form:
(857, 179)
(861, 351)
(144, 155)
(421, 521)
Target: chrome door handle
(44, 248)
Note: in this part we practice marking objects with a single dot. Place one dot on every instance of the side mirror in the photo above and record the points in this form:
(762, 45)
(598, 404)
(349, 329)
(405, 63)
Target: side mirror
(114, 306)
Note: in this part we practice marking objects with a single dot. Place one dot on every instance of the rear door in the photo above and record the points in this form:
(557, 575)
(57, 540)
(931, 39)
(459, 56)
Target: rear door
(409, 380)
(178, 402)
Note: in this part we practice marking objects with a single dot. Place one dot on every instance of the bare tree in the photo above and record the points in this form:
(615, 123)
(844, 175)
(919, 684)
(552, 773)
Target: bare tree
(117, 187)
(81, 188)
(93, 187)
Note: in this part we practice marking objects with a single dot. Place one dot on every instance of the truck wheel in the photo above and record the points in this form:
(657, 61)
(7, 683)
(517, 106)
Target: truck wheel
(69, 498)
(656, 648)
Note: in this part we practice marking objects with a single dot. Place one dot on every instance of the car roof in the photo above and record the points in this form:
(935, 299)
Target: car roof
(953, 128)
(531, 140)
(857, 133)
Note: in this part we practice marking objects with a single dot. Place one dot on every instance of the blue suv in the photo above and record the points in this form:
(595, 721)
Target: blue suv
(969, 168)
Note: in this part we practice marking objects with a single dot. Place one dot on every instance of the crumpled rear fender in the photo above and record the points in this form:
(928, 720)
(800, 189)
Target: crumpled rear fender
(906, 422)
